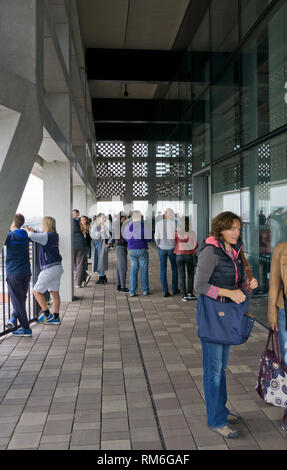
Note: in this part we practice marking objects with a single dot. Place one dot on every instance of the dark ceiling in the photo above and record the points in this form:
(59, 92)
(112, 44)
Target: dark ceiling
(134, 55)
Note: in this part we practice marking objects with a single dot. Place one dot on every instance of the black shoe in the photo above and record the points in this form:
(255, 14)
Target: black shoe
(174, 292)
(105, 279)
(185, 298)
(167, 294)
(191, 297)
(124, 290)
(100, 280)
(119, 287)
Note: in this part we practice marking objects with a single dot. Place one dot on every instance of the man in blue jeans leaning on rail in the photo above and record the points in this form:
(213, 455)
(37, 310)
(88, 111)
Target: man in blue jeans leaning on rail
(18, 275)
(164, 238)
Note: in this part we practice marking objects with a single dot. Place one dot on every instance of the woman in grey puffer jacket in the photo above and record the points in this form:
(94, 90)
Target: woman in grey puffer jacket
(100, 234)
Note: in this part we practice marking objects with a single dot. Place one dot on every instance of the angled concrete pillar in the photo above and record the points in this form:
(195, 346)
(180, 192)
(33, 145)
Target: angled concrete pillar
(18, 151)
(21, 76)
(57, 177)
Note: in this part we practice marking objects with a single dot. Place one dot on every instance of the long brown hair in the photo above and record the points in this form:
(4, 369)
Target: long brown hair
(223, 221)
(85, 227)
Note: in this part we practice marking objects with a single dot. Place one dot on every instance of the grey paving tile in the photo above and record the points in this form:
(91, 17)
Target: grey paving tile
(33, 428)
(25, 441)
(85, 447)
(175, 422)
(29, 419)
(123, 444)
(61, 408)
(6, 429)
(152, 445)
(145, 434)
(182, 443)
(55, 438)
(54, 446)
(118, 424)
(86, 437)
(58, 427)
(37, 409)
(10, 410)
(142, 423)
(86, 426)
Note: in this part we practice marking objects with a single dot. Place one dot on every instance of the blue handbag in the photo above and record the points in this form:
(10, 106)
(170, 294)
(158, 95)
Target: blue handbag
(223, 322)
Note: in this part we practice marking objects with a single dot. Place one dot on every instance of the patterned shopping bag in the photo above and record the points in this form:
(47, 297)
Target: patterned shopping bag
(272, 377)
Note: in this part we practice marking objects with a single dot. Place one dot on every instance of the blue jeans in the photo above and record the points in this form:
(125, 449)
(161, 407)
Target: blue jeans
(98, 247)
(139, 261)
(215, 360)
(163, 256)
(282, 334)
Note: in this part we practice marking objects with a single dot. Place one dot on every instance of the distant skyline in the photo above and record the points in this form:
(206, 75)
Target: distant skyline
(31, 204)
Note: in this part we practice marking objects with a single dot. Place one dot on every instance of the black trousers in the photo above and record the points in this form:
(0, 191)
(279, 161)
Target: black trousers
(185, 262)
(18, 285)
(80, 265)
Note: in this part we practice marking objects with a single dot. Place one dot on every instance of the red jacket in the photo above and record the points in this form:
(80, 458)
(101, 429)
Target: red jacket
(185, 245)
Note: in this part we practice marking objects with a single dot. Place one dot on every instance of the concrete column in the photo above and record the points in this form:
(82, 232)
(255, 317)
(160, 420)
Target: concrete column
(80, 199)
(152, 183)
(91, 206)
(57, 179)
(200, 198)
(129, 174)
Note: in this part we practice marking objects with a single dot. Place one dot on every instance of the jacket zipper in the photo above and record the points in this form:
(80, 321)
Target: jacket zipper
(236, 270)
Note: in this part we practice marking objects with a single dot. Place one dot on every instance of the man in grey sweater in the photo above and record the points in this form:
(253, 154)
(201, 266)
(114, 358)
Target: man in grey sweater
(165, 240)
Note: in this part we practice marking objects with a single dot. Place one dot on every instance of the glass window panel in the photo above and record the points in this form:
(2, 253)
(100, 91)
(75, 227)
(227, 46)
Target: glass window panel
(225, 184)
(201, 132)
(264, 77)
(249, 95)
(201, 45)
(264, 190)
(277, 36)
(225, 111)
(224, 31)
(250, 12)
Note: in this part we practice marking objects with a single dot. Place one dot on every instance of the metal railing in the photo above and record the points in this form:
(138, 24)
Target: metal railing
(32, 306)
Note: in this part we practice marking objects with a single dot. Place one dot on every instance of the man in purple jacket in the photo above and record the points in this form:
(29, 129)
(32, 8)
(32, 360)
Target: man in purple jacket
(138, 240)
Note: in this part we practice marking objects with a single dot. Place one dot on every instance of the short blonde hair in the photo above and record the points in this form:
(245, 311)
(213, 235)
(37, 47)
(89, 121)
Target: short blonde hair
(137, 215)
(170, 213)
(49, 223)
(101, 218)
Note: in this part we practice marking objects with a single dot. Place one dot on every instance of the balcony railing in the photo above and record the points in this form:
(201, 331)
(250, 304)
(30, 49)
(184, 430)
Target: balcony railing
(32, 306)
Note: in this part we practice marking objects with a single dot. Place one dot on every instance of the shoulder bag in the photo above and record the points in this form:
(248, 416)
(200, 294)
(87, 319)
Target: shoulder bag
(224, 322)
(272, 376)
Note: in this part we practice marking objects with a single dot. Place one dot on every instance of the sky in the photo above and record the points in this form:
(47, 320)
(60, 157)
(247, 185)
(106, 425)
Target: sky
(31, 204)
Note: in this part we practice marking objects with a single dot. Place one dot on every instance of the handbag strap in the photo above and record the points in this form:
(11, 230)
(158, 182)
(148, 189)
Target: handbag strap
(247, 267)
(275, 347)
(285, 305)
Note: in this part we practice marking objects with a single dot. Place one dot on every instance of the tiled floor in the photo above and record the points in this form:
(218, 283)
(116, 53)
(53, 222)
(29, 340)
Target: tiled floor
(121, 373)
